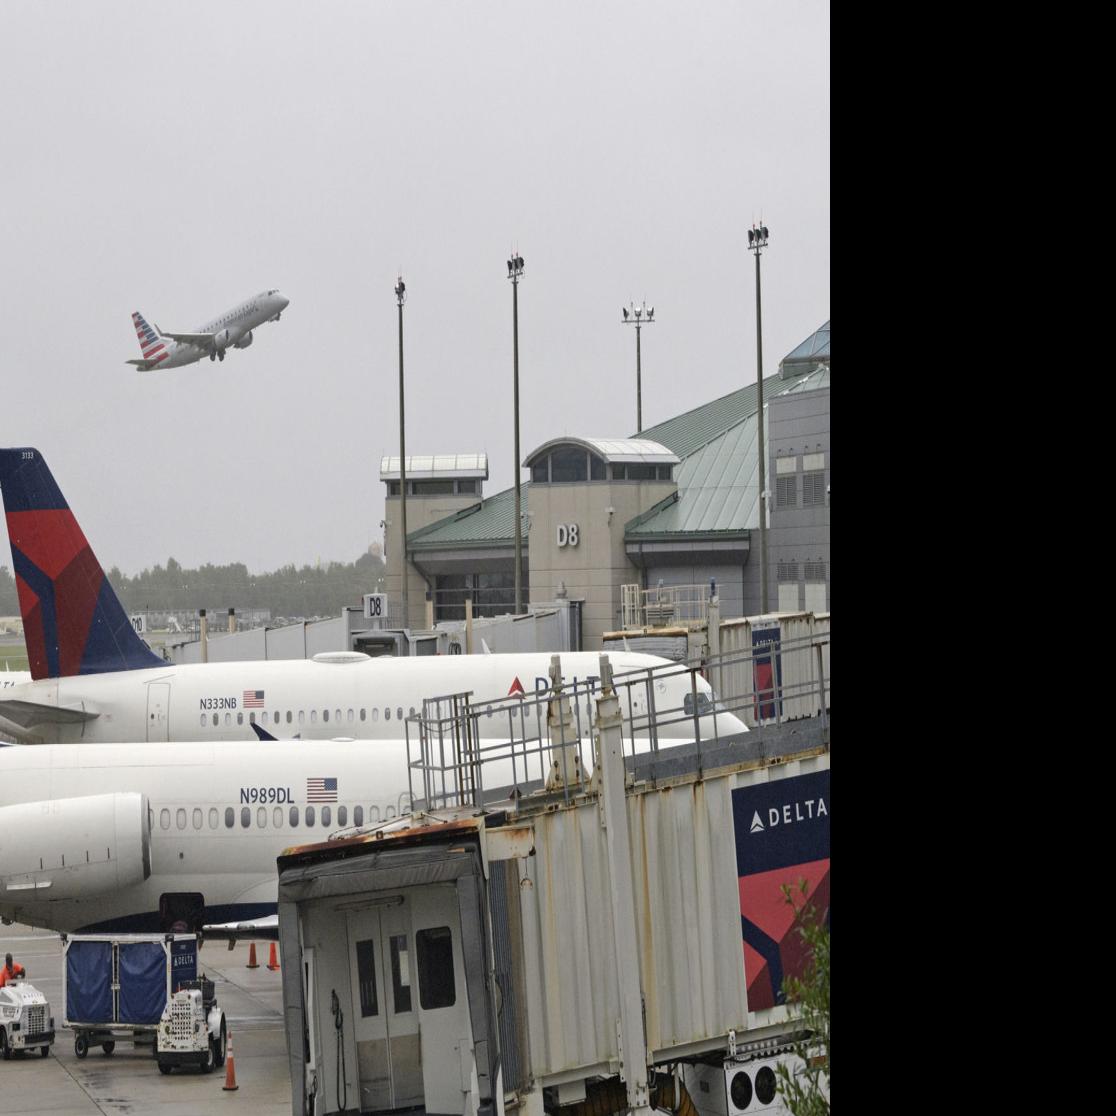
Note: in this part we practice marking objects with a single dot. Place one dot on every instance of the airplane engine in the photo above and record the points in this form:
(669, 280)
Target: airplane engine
(245, 341)
(70, 848)
(221, 340)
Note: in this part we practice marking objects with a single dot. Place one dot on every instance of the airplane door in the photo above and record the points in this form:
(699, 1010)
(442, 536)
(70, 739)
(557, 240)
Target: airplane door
(385, 1018)
(158, 709)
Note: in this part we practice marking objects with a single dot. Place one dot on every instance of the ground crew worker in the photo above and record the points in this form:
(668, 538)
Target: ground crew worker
(10, 970)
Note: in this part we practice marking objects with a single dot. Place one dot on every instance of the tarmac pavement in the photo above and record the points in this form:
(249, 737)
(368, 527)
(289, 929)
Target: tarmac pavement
(128, 1082)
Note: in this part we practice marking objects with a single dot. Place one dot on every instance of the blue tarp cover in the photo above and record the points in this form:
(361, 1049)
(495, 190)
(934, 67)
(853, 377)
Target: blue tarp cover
(143, 982)
(89, 982)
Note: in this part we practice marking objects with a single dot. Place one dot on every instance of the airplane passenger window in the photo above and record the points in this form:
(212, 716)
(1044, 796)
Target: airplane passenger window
(309, 815)
(342, 815)
(203, 720)
(358, 815)
(164, 818)
(325, 712)
(412, 711)
(228, 718)
(399, 713)
(290, 717)
(213, 817)
(229, 815)
(387, 714)
(245, 817)
(263, 717)
(261, 817)
(240, 718)
(294, 817)
(337, 716)
(376, 714)
(313, 716)
(301, 717)
(215, 718)
(373, 814)
(275, 717)
(389, 813)
(197, 817)
(362, 713)
(277, 817)
(251, 718)
(325, 815)
(350, 718)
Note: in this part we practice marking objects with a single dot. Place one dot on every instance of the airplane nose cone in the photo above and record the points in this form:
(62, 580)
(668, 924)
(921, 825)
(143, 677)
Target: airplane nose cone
(284, 302)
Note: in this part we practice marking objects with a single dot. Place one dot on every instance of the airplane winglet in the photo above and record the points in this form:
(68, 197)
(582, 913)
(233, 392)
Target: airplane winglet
(262, 733)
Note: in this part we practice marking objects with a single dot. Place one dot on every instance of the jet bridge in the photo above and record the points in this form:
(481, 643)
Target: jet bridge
(604, 935)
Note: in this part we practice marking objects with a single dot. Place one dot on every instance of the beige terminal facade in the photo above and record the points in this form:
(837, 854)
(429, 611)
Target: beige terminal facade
(677, 505)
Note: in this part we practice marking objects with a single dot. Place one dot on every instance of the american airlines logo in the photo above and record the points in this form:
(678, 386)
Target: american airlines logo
(808, 809)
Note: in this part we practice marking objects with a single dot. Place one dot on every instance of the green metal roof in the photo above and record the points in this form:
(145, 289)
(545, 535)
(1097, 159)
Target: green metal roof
(490, 522)
(813, 350)
(718, 478)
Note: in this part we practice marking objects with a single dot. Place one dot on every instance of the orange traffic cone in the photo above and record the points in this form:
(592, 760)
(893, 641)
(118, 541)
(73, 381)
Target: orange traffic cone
(230, 1067)
(273, 961)
(252, 962)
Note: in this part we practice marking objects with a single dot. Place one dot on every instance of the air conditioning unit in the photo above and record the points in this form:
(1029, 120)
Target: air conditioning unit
(740, 1088)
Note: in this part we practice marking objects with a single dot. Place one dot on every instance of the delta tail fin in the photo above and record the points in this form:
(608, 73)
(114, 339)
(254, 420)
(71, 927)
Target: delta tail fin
(73, 622)
(151, 344)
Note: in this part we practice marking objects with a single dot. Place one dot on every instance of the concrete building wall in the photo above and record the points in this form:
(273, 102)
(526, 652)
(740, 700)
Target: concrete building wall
(594, 569)
(421, 512)
(799, 437)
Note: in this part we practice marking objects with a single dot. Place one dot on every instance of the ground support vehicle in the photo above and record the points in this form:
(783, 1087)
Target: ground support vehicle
(192, 1030)
(26, 1021)
(116, 985)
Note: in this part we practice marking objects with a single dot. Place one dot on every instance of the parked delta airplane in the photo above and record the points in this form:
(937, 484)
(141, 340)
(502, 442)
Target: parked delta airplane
(94, 680)
(172, 350)
(149, 837)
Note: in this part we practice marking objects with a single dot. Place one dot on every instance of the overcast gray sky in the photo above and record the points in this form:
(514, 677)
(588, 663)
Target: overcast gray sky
(175, 158)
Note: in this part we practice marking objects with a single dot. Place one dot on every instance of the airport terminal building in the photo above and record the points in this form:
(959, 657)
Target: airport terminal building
(676, 505)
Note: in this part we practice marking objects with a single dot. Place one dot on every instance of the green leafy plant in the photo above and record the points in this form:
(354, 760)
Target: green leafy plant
(806, 1093)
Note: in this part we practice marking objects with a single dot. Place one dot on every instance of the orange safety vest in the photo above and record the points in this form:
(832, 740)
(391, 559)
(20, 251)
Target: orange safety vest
(6, 974)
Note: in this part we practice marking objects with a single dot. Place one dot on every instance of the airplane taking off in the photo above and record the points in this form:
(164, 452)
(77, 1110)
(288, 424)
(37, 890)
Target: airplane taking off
(94, 679)
(162, 349)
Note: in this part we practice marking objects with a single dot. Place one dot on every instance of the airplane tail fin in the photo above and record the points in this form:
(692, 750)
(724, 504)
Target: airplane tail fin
(151, 342)
(73, 622)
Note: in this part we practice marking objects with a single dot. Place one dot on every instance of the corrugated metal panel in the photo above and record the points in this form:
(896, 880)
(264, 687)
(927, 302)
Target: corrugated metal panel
(798, 665)
(688, 926)
(492, 521)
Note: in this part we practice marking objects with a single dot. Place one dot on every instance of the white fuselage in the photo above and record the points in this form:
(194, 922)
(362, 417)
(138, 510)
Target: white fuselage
(194, 790)
(239, 322)
(367, 698)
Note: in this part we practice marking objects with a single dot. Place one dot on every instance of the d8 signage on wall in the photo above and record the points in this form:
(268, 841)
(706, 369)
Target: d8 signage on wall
(567, 534)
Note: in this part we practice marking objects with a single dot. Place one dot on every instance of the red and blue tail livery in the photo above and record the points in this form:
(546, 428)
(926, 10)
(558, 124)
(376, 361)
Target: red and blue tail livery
(73, 622)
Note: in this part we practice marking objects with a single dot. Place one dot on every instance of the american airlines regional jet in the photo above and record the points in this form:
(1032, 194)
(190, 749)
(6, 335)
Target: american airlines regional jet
(162, 349)
(94, 679)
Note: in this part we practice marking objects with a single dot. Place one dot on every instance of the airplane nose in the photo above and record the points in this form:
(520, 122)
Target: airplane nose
(284, 301)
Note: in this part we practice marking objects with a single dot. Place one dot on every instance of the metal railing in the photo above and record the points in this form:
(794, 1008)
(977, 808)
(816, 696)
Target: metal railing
(685, 606)
(464, 751)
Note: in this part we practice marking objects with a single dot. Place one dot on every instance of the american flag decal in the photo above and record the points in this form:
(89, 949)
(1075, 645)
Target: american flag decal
(253, 699)
(321, 790)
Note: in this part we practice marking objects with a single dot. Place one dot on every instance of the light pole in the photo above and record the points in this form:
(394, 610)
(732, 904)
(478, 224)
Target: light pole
(515, 270)
(639, 316)
(400, 298)
(757, 241)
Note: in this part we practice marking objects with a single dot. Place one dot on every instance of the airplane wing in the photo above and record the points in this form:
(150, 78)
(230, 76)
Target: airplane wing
(28, 713)
(201, 340)
(255, 930)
